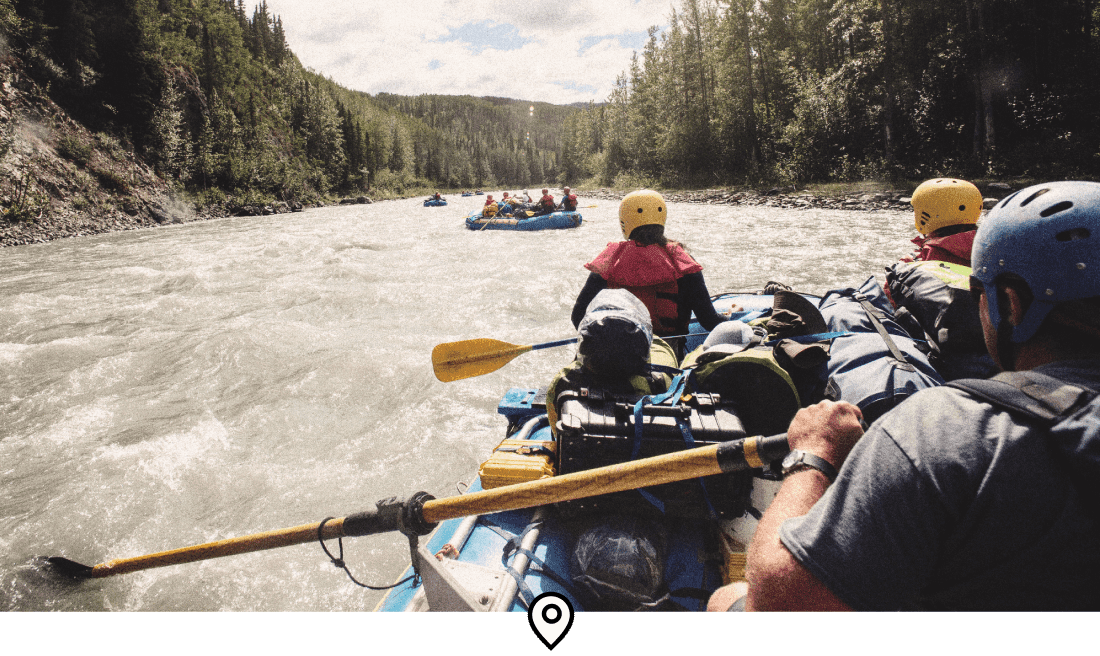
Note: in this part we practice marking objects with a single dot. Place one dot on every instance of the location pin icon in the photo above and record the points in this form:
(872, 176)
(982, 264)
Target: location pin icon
(551, 616)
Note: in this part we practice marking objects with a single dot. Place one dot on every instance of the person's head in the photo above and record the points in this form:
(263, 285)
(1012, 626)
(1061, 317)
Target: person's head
(488, 199)
(639, 209)
(1036, 267)
(945, 202)
(545, 191)
(504, 195)
(565, 190)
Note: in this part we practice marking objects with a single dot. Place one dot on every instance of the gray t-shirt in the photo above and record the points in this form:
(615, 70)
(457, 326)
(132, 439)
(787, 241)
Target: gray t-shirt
(949, 504)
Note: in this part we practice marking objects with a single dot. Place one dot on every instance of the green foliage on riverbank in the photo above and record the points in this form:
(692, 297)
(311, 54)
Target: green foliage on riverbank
(820, 90)
(214, 100)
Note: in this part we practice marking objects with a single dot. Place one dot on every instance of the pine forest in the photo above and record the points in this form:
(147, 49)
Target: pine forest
(210, 97)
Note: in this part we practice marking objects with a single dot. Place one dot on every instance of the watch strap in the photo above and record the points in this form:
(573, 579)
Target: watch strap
(810, 460)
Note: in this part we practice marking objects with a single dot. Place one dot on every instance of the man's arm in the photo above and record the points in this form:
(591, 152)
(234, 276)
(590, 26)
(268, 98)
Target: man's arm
(777, 581)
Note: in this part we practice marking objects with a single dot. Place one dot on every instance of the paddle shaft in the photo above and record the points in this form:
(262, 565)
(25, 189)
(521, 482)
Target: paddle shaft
(453, 361)
(420, 517)
(736, 455)
(257, 542)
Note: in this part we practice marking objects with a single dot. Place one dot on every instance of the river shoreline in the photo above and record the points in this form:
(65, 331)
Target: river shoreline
(160, 210)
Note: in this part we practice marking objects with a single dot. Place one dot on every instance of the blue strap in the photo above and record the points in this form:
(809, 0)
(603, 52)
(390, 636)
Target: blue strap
(526, 595)
(675, 391)
(511, 548)
(689, 440)
(816, 337)
(748, 315)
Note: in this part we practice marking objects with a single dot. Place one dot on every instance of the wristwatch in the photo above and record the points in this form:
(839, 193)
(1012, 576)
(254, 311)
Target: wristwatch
(797, 460)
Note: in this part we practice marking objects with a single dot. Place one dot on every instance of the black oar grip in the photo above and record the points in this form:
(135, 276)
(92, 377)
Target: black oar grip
(392, 514)
(752, 452)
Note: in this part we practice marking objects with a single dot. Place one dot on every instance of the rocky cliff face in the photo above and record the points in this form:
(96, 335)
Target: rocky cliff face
(58, 179)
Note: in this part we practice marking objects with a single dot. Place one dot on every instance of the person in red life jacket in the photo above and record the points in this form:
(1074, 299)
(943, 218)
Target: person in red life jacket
(546, 204)
(945, 213)
(568, 201)
(656, 270)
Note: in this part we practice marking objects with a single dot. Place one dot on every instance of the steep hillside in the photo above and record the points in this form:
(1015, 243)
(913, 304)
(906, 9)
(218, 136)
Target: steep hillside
(58, 179)
(124, 113)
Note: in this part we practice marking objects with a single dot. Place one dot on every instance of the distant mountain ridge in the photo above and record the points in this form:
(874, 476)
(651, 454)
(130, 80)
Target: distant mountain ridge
(217, 107)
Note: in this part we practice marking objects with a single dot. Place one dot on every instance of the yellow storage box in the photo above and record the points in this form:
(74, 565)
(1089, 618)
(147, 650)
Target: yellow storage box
(518, 461)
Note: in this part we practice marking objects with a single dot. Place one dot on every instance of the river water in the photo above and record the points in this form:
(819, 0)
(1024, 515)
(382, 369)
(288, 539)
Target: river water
(179, 385)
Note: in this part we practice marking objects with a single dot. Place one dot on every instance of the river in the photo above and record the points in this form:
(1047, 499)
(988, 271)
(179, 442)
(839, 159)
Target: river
(178, 385)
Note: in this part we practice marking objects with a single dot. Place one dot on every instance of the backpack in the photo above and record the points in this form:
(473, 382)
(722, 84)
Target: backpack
(933, 299)
(1069, 414)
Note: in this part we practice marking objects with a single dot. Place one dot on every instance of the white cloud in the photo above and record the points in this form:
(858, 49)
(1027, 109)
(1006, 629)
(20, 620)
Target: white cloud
(558, 52)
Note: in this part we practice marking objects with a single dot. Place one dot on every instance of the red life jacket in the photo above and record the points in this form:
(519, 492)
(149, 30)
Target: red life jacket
(951, 248)
(651, 273)
(569, 203)
(547, 202)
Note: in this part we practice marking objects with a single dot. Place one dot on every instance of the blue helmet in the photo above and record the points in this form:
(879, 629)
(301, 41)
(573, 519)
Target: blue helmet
(1047, 235)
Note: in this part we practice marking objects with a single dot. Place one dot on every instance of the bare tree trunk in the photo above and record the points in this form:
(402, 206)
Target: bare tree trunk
(750, 113)
(984, 138)
(889, 25)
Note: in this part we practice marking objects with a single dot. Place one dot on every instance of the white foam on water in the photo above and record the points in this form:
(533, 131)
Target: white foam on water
(167, 387)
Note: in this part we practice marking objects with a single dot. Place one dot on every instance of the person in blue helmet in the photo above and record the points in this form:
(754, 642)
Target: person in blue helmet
(977, 495)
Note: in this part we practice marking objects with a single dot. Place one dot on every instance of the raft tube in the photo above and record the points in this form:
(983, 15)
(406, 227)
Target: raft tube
(553, 221)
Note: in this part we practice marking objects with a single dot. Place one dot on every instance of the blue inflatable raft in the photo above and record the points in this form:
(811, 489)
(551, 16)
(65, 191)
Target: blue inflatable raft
(434, 203)
(553, 221)
(502, 561)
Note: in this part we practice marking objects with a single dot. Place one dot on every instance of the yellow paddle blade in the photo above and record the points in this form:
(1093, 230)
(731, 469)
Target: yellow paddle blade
(472, 357)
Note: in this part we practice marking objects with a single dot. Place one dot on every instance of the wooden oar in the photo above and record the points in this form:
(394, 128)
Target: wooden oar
(421, 512)
(476, 357)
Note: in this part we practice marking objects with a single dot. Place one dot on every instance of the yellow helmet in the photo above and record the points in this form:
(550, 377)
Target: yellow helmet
(945, 202)
(639, 208)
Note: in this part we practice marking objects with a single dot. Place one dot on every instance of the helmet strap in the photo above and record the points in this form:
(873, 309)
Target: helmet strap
(1006, 348)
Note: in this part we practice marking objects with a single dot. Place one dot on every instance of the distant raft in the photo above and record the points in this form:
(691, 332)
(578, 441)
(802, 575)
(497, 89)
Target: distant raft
(553, 221)
(435, 203)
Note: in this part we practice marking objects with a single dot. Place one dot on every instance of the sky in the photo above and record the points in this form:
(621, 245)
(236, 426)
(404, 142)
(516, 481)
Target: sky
(558, 52)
